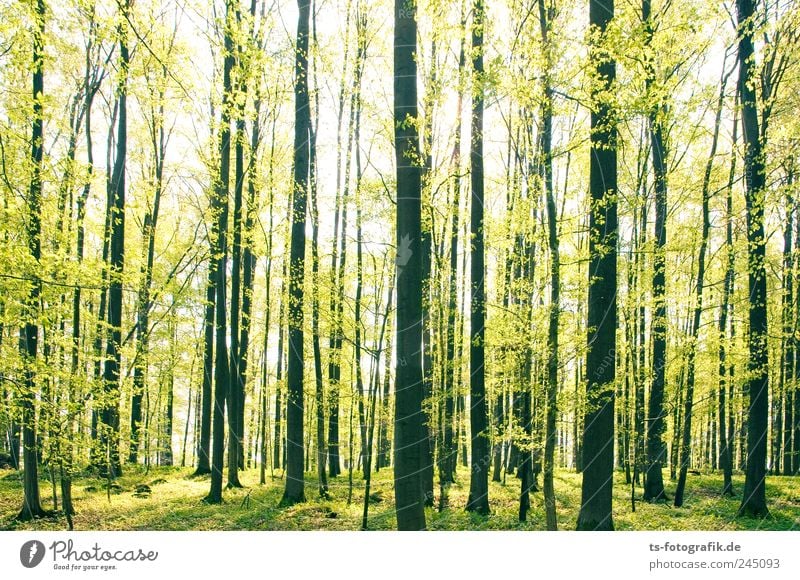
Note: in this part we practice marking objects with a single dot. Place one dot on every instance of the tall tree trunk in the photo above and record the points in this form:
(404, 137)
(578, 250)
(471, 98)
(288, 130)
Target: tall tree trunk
(754, 501)
(236, 383)
(409, 503)
(598, 431)
(101, 327)
(545, 18)
(29, 333)
(478, 500)
(109, 433)
(789, 324)
(656, 425)
(319, 392)
(294, 491)
(220, 255)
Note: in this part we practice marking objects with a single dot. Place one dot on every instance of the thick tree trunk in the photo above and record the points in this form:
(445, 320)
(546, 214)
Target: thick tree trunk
(598, 432)
(220, 255)
(294, 491)
(109, 433)
(754, 501)
(478, 500)
(656, 425)
(29, 333)
(409, 504)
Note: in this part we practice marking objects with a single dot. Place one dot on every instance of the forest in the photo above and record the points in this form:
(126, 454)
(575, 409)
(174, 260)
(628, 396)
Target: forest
(429, 264)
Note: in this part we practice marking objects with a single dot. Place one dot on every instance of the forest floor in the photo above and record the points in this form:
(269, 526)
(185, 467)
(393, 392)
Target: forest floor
(175, 503)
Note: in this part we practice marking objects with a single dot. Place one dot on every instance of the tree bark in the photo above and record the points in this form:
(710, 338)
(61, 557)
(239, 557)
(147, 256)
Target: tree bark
(478, 500)
(754, 501)
(220, 256)
(29, 333)
(545, 19)
(656, 425)
(598, 431)
(294, 491)
(789, 343)
(409, 503)
(109, 433)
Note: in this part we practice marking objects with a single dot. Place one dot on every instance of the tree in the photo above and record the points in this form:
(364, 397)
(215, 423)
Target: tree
(29, 332)
(598, 431)
(546, 14)
(109, 434)
(788, 341)
(409, 503)
(656, 449)
(219, 255)
(294, 491)
(754, 501)
(236, 383)
(478, 500)
(319, 392)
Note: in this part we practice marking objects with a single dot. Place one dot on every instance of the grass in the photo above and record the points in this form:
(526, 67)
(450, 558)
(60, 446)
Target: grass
(176, 504)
